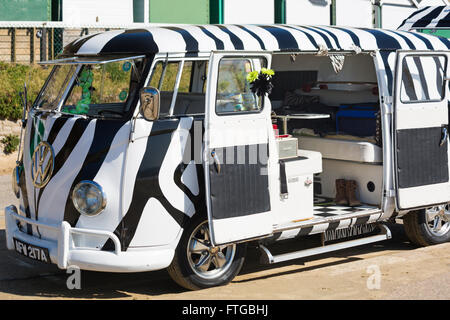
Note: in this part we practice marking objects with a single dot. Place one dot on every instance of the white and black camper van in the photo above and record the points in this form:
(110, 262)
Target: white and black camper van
(177, 146)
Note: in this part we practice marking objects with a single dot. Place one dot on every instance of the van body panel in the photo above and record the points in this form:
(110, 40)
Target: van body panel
(420, 129)
(236, 160)
(83, 149)
(159, 174)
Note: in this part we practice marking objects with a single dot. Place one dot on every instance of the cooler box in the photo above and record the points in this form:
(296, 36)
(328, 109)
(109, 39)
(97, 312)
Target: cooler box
(357, 119)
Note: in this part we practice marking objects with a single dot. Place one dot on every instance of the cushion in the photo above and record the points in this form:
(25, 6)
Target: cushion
(359, 151)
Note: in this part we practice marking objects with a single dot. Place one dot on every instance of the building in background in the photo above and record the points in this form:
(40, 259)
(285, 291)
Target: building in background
(35, 30)
(358, 13)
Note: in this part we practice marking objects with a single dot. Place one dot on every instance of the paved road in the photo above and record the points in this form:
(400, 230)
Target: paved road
(406, 272)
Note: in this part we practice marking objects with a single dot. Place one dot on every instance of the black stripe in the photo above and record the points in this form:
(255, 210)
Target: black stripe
(190, 154)
(74, 136)
(425, 40)
(219, 43)
(324, 37)
(384, 40)
(439, 67)
(254, 35)
(237, 43)
(147, 185)
(409, 42)
(333, 225)
(305, 231)
(361, 220)
(335, 38)
(426, 20)
(445, 41)
(444, 23)
(72, 48)
(412, 15)
(54, 131)
(31, 140)
(423, 81)
(131, 41)
(408, 82)
(105, 131)
(354, 37)
(286, 41)
(191, 42)
(389, 74)
(310, 37)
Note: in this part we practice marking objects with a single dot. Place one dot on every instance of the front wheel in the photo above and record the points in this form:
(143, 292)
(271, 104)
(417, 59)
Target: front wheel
(428, 226)
(198, 265)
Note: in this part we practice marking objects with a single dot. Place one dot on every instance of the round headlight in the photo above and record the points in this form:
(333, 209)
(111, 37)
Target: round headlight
(88, 198)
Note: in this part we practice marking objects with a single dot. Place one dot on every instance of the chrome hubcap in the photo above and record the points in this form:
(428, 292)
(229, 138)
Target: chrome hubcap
(438, 219)
(205, 260)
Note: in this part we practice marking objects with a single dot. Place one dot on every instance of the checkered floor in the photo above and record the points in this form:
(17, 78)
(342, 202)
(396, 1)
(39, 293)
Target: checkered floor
(324, 207)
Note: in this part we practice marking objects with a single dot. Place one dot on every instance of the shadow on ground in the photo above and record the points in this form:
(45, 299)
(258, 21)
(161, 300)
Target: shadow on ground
(22, 278)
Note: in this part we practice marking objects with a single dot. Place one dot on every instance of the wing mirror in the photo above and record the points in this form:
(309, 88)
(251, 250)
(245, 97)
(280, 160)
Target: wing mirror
(149, 97)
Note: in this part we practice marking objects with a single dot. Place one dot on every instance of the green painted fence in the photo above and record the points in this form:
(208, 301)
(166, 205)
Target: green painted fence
(179, 11)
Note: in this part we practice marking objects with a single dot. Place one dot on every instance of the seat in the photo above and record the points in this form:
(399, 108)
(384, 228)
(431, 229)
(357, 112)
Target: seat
(358, 151)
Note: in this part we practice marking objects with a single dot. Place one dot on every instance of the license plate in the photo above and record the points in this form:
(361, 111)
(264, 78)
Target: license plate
(31, 251)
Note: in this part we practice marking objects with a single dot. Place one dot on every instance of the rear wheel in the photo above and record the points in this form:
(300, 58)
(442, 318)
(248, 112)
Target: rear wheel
(198, 265)
(428, 226)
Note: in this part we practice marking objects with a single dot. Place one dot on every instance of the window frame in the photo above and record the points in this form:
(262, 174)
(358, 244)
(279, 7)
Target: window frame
(443, 91)
(243, 57)
(165, 60)
(128, 104)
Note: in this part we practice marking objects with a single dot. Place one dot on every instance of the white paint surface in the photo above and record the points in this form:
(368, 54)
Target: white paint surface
(249, 11)
(308, 12)
(355, 13)
(107, 11)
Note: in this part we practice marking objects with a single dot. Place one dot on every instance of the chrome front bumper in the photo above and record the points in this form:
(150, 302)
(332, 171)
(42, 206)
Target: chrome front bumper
(64, 253)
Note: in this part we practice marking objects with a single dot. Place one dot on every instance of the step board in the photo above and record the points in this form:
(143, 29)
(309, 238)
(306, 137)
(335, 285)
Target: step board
(329, 216)
(268, 258)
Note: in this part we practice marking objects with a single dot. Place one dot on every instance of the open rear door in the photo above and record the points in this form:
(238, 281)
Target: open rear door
(237, 124)
(421, 129)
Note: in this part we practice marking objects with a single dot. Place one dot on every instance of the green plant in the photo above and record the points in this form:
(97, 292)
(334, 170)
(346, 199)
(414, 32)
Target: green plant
(12, 78)
(11, 143)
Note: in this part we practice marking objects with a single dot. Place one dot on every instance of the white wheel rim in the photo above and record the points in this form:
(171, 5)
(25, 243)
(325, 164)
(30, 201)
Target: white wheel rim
(206, 261)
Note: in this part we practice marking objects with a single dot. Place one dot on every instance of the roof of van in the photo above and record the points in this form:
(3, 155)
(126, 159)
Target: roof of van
(437, 17)
(192, 39)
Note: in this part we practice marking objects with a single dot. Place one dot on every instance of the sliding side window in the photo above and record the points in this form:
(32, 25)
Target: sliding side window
(164, 78)
(188, 98)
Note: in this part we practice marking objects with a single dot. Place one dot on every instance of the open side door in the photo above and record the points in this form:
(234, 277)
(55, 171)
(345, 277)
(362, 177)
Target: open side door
(421, 129)
(237, 124)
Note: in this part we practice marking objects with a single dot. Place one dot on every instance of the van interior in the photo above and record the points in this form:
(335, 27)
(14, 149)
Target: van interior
(345, 88)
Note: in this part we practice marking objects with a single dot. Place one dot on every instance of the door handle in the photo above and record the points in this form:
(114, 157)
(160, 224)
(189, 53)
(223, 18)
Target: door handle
(216, 160)
(444, 136)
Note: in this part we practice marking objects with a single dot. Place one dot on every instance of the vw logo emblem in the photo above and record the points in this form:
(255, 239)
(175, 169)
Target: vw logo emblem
(42, 164)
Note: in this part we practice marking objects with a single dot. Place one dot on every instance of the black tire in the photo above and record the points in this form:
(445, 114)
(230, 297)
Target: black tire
(419, 231)
(182, 271)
